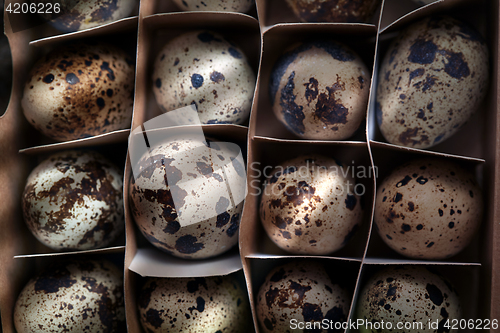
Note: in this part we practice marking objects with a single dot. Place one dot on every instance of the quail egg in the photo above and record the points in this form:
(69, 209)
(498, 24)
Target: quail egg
(342, 11)
(412, 297)
(428, 209)
(73, 296)
(309, 205)
(301, 292)
(73, 201)
(80, 90)
(74, 15)
(203, 69)
(186, 197)
(241, 6)
(432, 79)
(319, 90)
(201, 304)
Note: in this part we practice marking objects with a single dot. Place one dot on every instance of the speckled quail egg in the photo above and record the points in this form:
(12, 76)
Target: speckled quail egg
(407, 296)
(304, 292)
(346, 11)
(309, 205)
(428, 209)
(187, 197)
(241, 6)
(80, 90)
(319, 90)
(197, 305)
(204, 69)
(432, 79)
(73, 200)
(73, 296)
(74, 15)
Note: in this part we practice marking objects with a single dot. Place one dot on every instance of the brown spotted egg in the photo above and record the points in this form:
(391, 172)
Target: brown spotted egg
(309, 205)
(197, 305)
(319, 90)
(304, 292)
(203, 69)
(428, 209)
(73, 201)
(241, 6)
(407, 296)
(80, 90)
(69, 16)
(432, 79)
(186, 197)
(342, 11)
(73, 296)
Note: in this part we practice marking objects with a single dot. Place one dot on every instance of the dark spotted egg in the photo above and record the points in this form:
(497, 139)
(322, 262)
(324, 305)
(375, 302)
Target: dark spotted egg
(241, 6)
(80, 90)
(308, 205)
(428, 209)
(406, 296)
(432, 79)
(319, 90)
(342, 11)
(203, 69)
(301, 291)
(80, 15)
(73, 201)
(187, 197)
(73, 296)
(197, 305)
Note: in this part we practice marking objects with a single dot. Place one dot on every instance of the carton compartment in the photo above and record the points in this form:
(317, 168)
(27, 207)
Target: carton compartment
(158, 29)
(278, 39)
(341, 272)
(169, 6)
(268, 153)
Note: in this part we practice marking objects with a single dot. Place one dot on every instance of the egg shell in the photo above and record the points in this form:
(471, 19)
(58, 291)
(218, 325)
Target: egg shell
(80, 15)
(432, 79)
(308, 205)
(302, 291)
(408, 295)
(241, 6)
(73, 201)
(185, 180)
(80, 90)
(428, 209)
(73, 296)
(319, 90)
(340, 11)
(202, 304)
(202, 68)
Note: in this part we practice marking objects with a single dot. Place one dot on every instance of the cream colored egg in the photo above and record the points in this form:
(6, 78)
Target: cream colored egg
(432, 79)
(341, 11)
(196, 305)
(319, 90)
(203, 69)
(309, 205)
(241, 6)
(73, 296)
(187, 197)
(73, 201)
(80, 90)
(428, 209)
(409, 296)
(301, 292)
(74, 15)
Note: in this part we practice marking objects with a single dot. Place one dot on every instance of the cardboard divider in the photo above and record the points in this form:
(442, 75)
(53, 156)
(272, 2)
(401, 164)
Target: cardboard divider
(343, 273)
(169, 6)
(280, 38)
(272, 12)
(465, 279)
(268, 153)
(158, 29)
